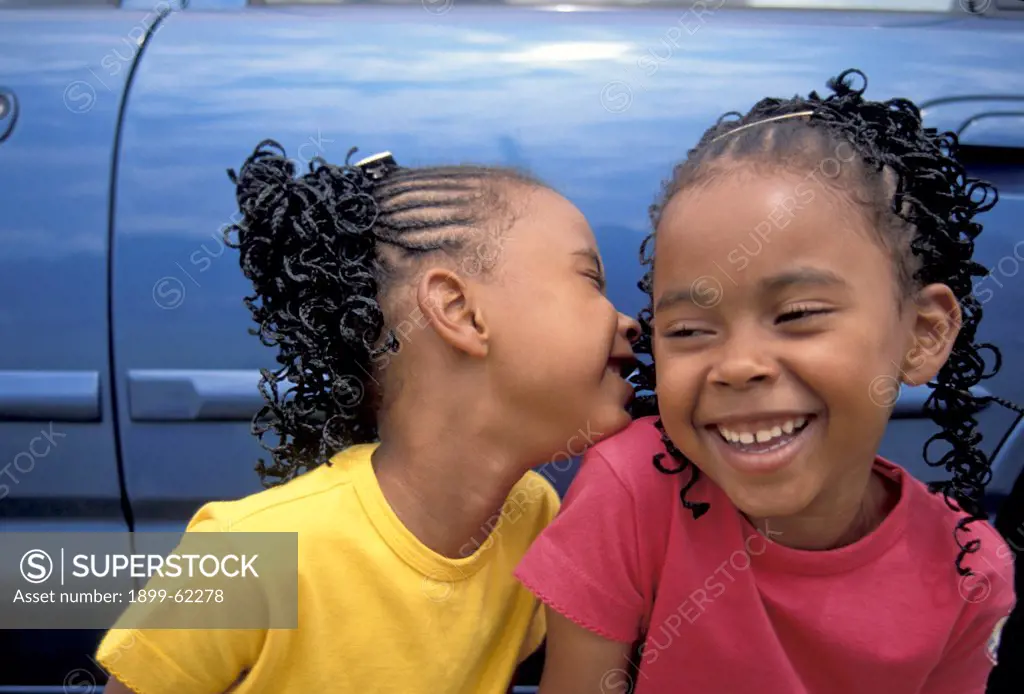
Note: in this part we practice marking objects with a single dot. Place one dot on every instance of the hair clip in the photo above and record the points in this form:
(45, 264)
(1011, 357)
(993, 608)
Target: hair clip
(785, 116)
(377, 166)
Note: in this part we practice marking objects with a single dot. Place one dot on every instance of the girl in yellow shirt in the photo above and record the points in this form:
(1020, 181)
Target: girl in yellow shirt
(441, 331)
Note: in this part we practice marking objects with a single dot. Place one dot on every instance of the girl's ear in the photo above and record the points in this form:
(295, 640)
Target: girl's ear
(936, 324)
(453, 311)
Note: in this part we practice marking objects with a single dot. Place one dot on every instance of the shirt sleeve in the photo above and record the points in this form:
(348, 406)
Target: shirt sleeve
(971, 654)
(171, 661)
(585, 565)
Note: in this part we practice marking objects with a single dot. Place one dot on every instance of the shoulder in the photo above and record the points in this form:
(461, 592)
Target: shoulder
(597, 563)
(625, 462)
(618, 478)
(538, 495)
(641, 439)
(986, 594)
(539, 489)
(935, 523)
(288, 507)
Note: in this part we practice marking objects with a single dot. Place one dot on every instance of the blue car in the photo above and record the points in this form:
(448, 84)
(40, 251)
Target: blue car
(127, 374)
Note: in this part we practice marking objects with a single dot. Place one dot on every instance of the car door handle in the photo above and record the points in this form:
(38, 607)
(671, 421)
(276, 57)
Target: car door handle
(190, 395)
(50, 396)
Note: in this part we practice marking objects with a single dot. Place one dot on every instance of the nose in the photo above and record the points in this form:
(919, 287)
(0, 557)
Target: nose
(629, 328)
(743, 364)
(627, 331)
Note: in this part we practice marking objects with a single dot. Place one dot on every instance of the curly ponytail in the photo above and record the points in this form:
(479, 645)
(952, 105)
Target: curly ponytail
(321, 251)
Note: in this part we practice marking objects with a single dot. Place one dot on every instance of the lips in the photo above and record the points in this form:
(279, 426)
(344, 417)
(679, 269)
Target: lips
(764, 434)
(762, 445)
(621, 369)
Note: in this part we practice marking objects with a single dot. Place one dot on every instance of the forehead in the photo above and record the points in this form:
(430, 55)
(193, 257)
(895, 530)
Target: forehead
(546, 224)
(746, 225)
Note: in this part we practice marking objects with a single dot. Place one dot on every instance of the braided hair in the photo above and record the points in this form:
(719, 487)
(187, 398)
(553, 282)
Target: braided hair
(923, 205)
(322, 250)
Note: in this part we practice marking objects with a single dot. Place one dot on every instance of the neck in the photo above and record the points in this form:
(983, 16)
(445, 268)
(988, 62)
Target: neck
(834, 520)
(446, 481)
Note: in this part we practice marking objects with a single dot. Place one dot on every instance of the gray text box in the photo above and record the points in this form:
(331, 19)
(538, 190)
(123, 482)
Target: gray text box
(201, 580)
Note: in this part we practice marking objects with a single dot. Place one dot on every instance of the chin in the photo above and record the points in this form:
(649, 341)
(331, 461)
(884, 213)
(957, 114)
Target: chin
(769, 501)
(611, 421)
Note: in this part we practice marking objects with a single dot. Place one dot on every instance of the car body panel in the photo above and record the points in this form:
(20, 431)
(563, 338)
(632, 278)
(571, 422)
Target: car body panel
(67, 71)
(599, 104)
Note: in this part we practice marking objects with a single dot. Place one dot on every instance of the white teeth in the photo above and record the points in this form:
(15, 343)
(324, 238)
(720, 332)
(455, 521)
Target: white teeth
(762, 435)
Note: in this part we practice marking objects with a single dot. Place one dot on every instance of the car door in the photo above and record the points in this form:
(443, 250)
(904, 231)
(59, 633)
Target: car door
(63, 70)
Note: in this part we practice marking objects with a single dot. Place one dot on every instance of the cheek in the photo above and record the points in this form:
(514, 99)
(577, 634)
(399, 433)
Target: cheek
(568, 335)
(591, 326)
(678, 383)
(853, 368)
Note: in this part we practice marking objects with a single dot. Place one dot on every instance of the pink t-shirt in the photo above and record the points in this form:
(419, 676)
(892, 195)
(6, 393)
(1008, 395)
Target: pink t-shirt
(726, 610)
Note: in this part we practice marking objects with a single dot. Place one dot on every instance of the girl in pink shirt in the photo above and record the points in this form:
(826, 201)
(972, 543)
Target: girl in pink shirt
(808, 258)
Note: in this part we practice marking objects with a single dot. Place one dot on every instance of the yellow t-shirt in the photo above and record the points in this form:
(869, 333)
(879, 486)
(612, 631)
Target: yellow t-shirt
(378, 611)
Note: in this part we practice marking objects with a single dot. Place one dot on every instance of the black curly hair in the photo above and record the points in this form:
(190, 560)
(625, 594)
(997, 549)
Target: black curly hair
(923, 204)
(322, 251)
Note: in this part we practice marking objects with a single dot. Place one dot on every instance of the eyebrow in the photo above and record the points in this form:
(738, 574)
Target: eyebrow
(798, 276)
(802, 276)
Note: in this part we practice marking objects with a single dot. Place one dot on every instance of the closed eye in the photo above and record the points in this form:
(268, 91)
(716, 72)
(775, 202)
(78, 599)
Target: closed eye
(683, 331)
(597, 278)
(801, 313)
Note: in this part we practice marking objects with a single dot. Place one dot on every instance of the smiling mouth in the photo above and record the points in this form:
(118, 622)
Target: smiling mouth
(763, 437)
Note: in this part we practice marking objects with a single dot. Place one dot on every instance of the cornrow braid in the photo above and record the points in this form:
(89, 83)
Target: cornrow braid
(322, 250)
(922, 203)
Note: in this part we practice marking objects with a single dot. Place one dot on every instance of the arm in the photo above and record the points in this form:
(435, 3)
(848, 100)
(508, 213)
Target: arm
(972, 650)
(167, 647)
(177, 661)
(578, 661)
(595, 569)
(966, 666)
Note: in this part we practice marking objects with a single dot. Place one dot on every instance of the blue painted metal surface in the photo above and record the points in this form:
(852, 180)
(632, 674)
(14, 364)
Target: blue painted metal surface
(600, 104)
(65, 70)
(55, 183)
